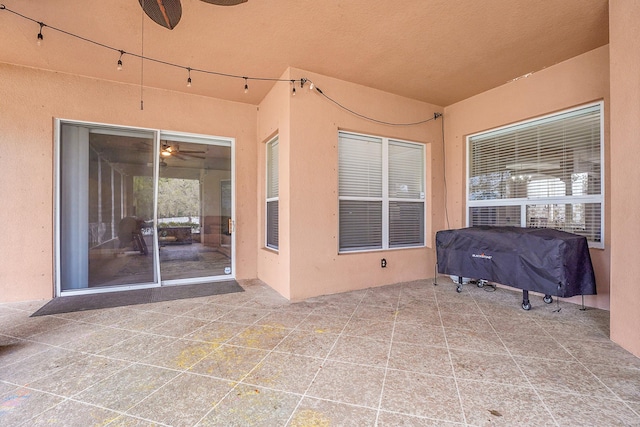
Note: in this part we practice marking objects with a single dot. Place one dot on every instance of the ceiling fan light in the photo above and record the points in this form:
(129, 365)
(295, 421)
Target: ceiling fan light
(166, 151)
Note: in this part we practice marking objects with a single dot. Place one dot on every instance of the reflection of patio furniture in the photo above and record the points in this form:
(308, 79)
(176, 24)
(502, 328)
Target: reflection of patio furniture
(174, 236)
(538, 222)
(130, 234)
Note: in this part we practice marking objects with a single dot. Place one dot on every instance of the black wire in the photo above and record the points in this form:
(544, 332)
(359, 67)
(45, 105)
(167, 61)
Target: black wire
(217, 73)
(444, 170)
(435, 116)
(146, 58)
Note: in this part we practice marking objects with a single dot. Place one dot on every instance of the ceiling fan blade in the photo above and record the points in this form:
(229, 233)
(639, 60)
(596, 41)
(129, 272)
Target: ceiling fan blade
(225, 2)
(191, 152)
(163, 12)
(185, 156)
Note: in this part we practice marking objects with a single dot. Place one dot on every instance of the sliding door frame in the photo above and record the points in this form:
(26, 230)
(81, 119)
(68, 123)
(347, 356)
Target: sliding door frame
(157, 135)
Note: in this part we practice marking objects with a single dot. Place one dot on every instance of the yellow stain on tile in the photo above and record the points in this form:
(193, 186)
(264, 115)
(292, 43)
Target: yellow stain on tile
(310, 418)
(263, 378)
(193, 354)
(227, 362)
(255, 336)
(108, 421)
(320, 331)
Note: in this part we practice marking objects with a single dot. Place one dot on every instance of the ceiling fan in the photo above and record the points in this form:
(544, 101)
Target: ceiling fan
(168, 12)
(169, 150)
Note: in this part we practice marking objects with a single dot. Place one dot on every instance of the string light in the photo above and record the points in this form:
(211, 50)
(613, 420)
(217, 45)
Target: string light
(293, 83)
(119, 66)
(303, 80)
(40, 36)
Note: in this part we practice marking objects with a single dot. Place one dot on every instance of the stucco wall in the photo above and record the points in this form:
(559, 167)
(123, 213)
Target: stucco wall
(625, 175)
(577, 81)
(309, 171)
(273, 119)
(30, 99)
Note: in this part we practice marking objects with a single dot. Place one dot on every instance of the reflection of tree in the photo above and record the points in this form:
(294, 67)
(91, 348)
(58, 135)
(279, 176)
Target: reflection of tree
(488, 186)
(176, 197)
(143, 196)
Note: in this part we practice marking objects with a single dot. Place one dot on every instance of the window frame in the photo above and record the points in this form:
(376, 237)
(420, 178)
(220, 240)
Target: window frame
(385, 199)
(524, 202)
(271, 199)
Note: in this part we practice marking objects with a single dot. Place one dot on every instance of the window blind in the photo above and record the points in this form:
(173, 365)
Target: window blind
(272, 236)
(360, 166)
(381, 193)
(272, 169)
(272, 224)
(548, 169)
(406, 182)
(406, 171)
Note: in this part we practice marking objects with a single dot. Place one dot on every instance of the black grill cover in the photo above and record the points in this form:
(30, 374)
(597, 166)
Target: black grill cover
(542, 260)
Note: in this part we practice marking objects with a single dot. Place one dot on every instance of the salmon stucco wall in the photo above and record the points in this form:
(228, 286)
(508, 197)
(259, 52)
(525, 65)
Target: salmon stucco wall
(273, 120)
(309, 171)
(577, 81)
(624, 34)
(28, 106)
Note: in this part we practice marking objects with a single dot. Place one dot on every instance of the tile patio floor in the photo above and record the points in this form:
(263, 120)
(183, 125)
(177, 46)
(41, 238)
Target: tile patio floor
(411, 354)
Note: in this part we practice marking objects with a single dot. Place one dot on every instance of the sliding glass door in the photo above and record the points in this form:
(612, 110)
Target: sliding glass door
(194, 209)
(141, 208)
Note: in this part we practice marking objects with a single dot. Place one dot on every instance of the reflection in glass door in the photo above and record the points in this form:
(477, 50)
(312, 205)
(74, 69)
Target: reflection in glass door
(194, 209)
(139, 208)
(106, 183)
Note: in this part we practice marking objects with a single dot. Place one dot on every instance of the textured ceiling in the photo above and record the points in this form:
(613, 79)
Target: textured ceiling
(437, 51)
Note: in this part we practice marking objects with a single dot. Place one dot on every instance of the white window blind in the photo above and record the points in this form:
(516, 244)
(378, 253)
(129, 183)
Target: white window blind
(381, 193)
(272, 194)
(360, 159)
(540, 173)
(406, 194)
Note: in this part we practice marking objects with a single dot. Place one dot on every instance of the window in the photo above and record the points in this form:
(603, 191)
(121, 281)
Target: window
(540, 173)
(272, 194)
(381, 193)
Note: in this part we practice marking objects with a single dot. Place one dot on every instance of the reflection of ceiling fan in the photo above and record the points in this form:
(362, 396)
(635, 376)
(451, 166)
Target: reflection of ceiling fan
(175, 151)
(168, 12)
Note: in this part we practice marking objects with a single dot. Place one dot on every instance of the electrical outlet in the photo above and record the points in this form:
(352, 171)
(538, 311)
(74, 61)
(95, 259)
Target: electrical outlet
(383, 263)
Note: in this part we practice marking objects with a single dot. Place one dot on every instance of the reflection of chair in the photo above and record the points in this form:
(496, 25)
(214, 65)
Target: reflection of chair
(130, 234)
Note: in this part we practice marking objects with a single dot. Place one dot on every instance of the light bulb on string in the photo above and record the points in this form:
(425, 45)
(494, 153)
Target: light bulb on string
(246, 85)
(311, 86)
(119, 66)
(189, 78)
(40, 36)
